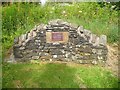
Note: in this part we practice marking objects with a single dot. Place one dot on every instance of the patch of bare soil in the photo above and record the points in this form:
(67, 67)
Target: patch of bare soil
(17, 83)
(112, 60)
(80, 82)
(8, 54)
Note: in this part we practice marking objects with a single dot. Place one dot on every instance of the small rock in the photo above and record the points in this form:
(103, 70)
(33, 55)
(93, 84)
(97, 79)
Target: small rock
(16, 40)
(22, 48)
(99, 52)
(103, 40)
(50, 59)
(49, 30)
(22, 38)
(94, 62)
(92, 38)
(40, 27)
(80, 30)
(12, 58)
(97, 41)
(100, 57)
(94, 50)
(35, 57)
(54, 56)
(34, 34)
(80, 61)
(29, 37)
(87, 32)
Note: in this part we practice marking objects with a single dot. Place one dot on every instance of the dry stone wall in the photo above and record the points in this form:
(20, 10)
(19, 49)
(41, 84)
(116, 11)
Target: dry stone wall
(60, 40)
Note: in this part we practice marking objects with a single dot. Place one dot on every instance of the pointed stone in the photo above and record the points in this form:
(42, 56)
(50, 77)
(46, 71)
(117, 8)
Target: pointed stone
(103, 40)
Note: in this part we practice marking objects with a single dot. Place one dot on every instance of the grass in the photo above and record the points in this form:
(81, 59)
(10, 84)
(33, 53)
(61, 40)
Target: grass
(98, 27)
(0, 75)
(56, 75)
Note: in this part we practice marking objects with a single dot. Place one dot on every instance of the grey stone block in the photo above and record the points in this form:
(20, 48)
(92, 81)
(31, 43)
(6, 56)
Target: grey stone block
(35, 57)
(103, 40)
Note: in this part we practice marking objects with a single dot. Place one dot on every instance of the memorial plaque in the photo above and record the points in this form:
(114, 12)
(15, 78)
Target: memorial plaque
(57, 37)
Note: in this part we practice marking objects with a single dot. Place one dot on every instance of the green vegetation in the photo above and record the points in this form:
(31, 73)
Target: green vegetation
(56, 75)
(21, 17)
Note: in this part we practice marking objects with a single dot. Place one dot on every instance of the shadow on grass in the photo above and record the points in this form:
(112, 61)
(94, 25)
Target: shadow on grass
(57, 76)
(50, 75)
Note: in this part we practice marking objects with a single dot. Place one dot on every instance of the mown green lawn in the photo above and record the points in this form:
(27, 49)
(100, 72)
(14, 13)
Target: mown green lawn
(57, 75)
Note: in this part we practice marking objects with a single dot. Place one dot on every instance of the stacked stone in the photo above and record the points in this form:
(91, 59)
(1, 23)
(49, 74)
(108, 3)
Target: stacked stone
(82, 46)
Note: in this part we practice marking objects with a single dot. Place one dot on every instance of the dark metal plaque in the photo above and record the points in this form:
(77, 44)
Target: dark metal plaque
(57, 36)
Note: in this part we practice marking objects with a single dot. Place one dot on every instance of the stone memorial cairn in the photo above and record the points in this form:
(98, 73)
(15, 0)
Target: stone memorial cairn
(82, 46)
